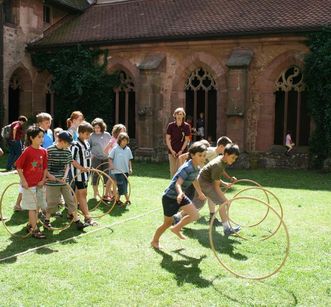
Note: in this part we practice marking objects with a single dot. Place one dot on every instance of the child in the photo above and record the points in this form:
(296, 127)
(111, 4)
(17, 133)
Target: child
(120, 162)
(59, 160)
(81, 154)
(288, 143)
(44, 121)
(98, 141)
(32, 169)
(117, 129)
(57, 131)
(210, 183)
(76, 118)
(174, 197)
(212, 153)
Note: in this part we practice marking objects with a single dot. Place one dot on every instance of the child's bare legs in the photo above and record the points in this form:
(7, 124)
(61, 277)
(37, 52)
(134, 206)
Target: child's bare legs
(160, 230)
(191, 214)
(95, 191)
(33, 218)
(18, 202)
(224, 213)
(81, 197)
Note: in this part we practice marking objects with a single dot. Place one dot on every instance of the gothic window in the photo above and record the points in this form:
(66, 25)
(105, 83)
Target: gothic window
(47, 14)
(201, 103)
(291, 111)
(14, 93)
(10, 11)
(124, 110)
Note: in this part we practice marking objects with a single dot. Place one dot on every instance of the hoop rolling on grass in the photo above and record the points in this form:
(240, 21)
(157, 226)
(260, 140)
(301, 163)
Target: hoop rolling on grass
(252, 243)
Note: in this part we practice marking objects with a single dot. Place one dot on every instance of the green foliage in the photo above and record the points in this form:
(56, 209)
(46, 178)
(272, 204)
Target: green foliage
(317, 74)
(80, 81)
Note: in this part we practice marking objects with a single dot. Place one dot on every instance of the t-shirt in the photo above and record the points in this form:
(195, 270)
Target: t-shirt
(121, 157)
(211, 154)
(213, 170)
(74, 133)
(98, 142)
(177, 135)
(48, 138)
(58, 160)
(19, 130)
(33, 162)
(81, 152)
(188, 172)
(288, 140)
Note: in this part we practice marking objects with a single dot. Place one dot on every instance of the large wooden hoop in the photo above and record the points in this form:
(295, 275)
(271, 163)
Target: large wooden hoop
(1, 211)
(227, 267)
(255, 183)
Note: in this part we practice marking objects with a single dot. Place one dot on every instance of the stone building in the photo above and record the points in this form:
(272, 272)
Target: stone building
(237, 62)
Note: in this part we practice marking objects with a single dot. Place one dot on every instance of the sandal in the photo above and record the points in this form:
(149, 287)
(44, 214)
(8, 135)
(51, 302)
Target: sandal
(127, 203)
(119, 203)
(48, 224)
(38, 234)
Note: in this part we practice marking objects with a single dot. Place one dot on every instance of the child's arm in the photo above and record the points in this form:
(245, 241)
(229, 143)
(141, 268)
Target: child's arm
(78, 166)
(182, 158)
(42, 181)
(180, 193)
(110, 161)
(23, 180)
(130, 167)
(227, 176)
(217, 188)
(198, 189)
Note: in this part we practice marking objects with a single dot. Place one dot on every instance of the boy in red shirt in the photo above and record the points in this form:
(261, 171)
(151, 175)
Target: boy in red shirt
(32, 169)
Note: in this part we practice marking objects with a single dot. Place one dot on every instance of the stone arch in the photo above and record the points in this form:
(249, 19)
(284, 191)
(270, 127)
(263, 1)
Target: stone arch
(183, 71)
(265, 89)
(22, 76)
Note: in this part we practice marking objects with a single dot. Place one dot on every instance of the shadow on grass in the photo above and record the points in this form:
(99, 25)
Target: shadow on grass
(105, 207)
(223, 245)
(185, 270)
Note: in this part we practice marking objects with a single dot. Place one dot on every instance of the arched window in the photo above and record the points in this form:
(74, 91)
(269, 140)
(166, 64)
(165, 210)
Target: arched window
(14, 95)
(125, 104)
(291, 112)
(201, 98)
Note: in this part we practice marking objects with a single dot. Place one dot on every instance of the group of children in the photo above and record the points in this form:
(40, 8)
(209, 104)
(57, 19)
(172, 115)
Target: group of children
(197, 180)
(46, 166)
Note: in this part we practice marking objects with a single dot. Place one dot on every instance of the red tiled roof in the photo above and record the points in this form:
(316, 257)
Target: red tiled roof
(163, 20)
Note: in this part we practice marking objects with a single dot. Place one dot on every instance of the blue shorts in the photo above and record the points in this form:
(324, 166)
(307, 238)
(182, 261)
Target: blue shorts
(170, 205)
(122, 183)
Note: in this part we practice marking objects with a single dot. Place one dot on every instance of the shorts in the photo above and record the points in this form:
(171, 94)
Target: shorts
(207, 189)
(170, 205)
(81, 185)
(34, 198)
(104, 166)
(53, 196)
(122, 183)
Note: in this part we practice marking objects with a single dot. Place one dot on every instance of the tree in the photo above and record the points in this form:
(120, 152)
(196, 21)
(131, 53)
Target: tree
(317, 74)
(80, 81)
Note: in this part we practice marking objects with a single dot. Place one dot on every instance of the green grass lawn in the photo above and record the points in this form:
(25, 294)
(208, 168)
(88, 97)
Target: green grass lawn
(113, 265)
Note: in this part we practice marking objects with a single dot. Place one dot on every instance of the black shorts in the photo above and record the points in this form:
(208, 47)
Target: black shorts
(170, 205)
(81, 185)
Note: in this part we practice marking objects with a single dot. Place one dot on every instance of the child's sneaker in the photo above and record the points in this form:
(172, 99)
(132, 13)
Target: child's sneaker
(38, 234)
(80, 225)
(231, 231)
(91, 222)
(47, 224)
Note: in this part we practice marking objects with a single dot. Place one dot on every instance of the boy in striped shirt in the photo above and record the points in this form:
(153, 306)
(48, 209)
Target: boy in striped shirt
(59, 161)
(81, 154)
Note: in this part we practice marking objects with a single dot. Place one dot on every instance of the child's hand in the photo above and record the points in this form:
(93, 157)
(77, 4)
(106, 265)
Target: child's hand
(84, 169)
(180, 197)
(51, 177)
(25, 184)
(202, 196)
(40, 183)
(130, 171)
(233, 179)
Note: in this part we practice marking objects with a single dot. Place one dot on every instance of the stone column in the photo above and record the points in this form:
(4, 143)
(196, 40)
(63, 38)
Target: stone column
(149, 129)
(237, 83)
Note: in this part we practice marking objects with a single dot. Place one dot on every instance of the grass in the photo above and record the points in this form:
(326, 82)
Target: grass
(113, 265)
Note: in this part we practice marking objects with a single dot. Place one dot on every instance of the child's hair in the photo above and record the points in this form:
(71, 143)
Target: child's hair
(122, 136)
(22, 118)
(179, 110)
(85, 127)
(68, 122)
(57, 130)
(231, 149)
(196, 147)
(205, 142)
(32, 132)
(223, 140)
(75, 115)
(43, 116)
(117, 130)
(99, 122)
